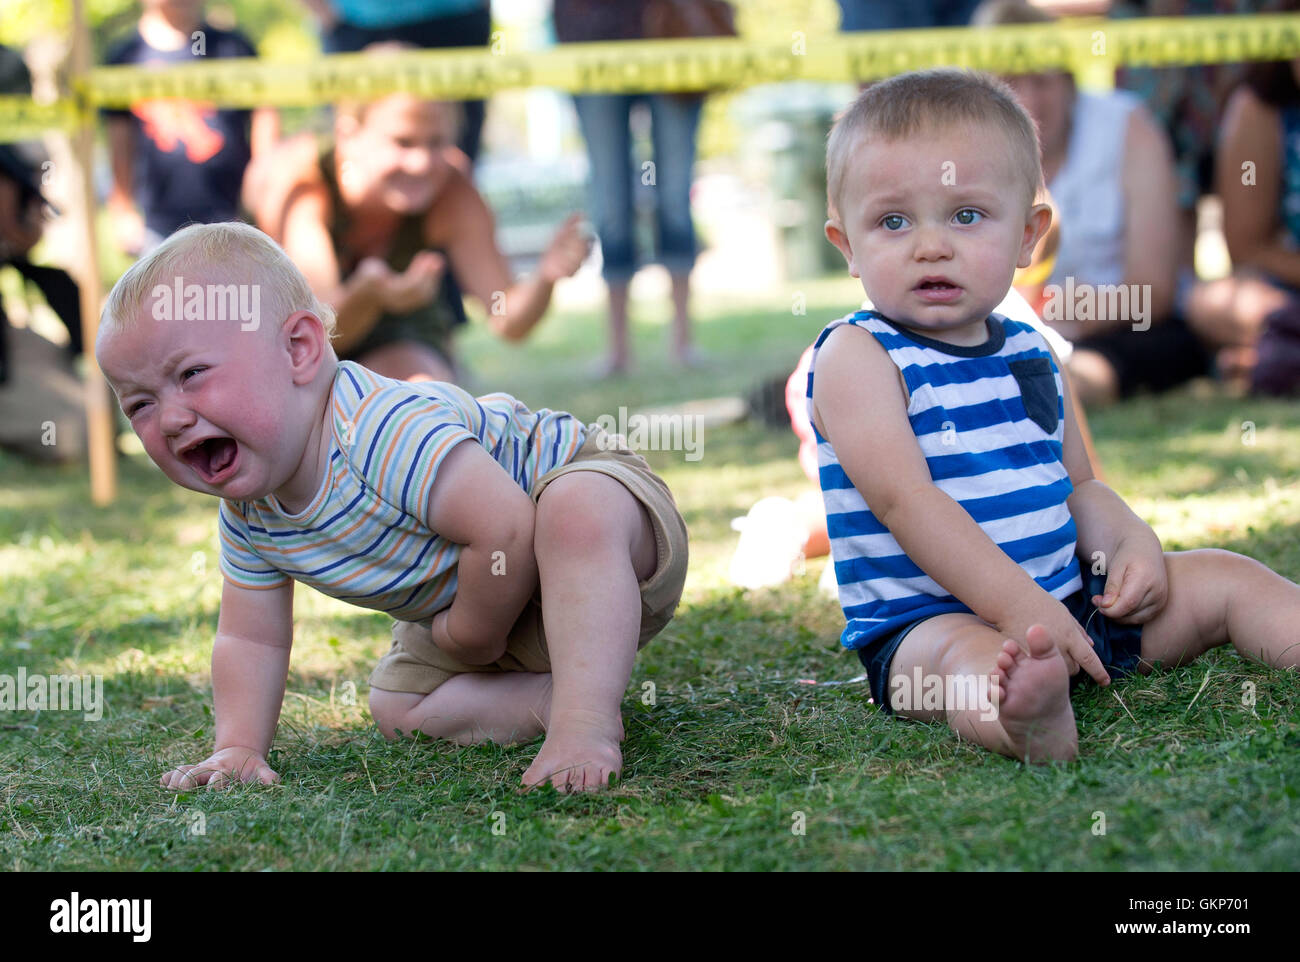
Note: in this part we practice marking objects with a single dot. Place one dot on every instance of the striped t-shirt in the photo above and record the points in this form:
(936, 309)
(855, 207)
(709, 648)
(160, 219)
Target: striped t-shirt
(989, 420)
(363, 538)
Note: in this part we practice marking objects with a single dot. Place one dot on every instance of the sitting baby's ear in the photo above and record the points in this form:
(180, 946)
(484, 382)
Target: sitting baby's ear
(836, 235)
(1036, 227)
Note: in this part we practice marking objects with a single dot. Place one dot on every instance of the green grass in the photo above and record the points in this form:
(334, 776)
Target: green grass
(734, 747)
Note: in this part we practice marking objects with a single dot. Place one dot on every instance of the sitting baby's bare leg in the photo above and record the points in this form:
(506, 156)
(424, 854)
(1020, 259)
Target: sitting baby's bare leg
(1009, 700)
(1217, 597)
(594, 544)
(474, 707)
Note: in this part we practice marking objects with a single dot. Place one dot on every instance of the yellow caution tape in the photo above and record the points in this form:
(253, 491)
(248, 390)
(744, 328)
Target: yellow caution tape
(1084, 47)
(24, 119)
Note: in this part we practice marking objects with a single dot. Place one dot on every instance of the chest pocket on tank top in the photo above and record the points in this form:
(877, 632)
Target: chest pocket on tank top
(1037, 391)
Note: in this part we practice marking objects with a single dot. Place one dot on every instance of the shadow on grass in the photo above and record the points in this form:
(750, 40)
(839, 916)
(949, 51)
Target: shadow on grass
(55, 499)
(1183, 444)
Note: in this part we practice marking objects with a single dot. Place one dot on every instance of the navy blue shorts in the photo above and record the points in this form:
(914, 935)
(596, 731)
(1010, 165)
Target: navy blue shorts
(1118, 646)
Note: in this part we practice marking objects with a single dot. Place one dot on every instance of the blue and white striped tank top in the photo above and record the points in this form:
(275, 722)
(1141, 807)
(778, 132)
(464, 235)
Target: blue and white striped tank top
(990, 420)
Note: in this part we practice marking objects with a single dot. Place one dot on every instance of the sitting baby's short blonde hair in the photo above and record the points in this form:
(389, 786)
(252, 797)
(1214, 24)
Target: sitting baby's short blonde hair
(231, 253)
(927, 100)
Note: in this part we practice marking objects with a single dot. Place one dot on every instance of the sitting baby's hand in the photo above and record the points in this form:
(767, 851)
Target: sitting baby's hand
(1137, 585)
(221, 768)
(1071, 640)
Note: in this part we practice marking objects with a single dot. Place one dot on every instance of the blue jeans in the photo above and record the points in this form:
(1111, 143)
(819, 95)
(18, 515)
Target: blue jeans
(674, 121)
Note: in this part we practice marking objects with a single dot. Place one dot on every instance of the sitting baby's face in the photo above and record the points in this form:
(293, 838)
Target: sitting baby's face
(212, 403)
(935, 225)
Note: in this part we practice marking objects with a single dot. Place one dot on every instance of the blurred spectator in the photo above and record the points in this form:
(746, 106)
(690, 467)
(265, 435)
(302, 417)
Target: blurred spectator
(40, 397)
(1251, 316)
(604, 118)
(22, 220)
(374, 219)
(348, 26)
(1187, 101)
(1118, 227)
(177, 162)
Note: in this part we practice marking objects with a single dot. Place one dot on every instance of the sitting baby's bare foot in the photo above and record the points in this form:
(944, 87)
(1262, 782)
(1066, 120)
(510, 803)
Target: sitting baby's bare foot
(1034, 704)
(580, 754)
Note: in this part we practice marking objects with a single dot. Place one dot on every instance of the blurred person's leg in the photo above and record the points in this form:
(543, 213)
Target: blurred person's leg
(620, 351)
(1230, 312)
(42, 413)
(1229, 315)
(1120, 363)
(60, 292)
(604, 122)
(683, 352)
(674, 123)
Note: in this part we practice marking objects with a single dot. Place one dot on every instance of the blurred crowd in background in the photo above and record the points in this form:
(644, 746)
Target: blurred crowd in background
(1181, 185)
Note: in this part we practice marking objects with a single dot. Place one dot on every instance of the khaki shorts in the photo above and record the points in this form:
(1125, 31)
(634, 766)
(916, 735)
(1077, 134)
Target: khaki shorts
(416, 664)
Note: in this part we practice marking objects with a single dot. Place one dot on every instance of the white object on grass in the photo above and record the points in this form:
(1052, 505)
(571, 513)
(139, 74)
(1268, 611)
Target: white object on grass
(828, 586)
(772, 537)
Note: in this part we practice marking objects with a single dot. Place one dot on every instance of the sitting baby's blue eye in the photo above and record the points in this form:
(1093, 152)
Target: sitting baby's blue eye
(893, 221)
(967, 216)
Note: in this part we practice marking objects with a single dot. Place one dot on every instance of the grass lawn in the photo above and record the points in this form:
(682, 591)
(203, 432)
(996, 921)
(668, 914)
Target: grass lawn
(733, 755)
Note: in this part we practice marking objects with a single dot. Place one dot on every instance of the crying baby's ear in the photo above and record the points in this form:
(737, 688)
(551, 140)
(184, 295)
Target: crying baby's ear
(305, 339)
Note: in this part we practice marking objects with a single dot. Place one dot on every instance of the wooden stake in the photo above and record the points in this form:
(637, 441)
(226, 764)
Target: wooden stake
(100, 425)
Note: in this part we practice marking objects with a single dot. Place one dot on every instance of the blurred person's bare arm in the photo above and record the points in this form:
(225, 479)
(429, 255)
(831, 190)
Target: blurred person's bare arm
(462, 224)
(264, 133)
(358, 300)
(121, 152)
(128, 225)
(1248, 179)
(1151, 222)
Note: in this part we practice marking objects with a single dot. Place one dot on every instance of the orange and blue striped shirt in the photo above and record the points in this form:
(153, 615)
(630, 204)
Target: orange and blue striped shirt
(363, 538)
